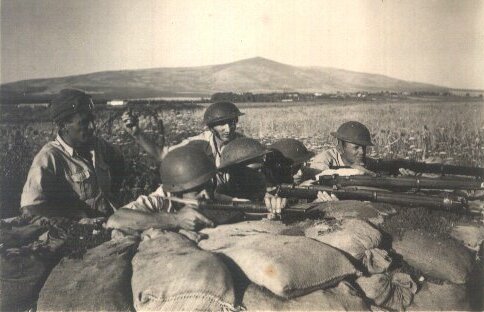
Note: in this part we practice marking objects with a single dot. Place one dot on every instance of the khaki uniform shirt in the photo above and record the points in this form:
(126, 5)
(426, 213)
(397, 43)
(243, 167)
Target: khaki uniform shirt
(60, 175)
(326, 159)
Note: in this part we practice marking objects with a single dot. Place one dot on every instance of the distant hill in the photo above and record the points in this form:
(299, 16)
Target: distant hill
(250, 75)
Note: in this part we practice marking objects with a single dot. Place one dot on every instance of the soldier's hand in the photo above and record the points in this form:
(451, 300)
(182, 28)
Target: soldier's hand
(325, 197)
(190, 219)
(407, 172)
(363, 170)
(130, 123)
(194, 236)
(274, 204)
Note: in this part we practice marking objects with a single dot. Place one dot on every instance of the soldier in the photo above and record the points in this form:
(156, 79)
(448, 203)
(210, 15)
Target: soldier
(187, 173)
(353, 140)
(243, 162)
(288, 162)
(76, 174)
(221, 118)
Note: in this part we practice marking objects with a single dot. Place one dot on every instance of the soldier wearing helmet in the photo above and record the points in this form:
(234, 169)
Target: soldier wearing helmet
(288, 164)
(221, 118)
(288, 161)
(243, 162)
(186, 173)
(75, 175)
(353, 140)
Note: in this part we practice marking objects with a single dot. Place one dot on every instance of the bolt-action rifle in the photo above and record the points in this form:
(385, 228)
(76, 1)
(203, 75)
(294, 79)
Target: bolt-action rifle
(410, 200)
(392, 166)
(401, 182)
(241, 206)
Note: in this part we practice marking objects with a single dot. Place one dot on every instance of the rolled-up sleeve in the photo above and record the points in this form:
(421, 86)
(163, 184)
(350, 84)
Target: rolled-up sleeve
(40, 182)
(155, 202)
(321, 161)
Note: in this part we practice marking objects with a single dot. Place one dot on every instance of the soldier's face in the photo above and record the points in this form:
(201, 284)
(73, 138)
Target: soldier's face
(353, 153)
(80, 129)
(225, 130)
(200, 193)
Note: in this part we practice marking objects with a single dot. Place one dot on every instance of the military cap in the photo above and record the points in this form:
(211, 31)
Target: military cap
(68, 102)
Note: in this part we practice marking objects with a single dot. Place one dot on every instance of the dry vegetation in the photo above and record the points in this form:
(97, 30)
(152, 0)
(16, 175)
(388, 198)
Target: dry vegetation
(452, 131)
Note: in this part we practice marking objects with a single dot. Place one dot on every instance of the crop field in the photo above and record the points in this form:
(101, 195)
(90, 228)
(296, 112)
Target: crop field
(452, 132)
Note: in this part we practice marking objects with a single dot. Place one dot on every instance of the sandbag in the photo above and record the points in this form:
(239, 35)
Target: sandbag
(99, 281)
(21, 278)
(289, 266)
(445, 297)
(17, 236)
(170, 273)
(224, 236)
(355, 237)
(438, 258)
(376, 260)
(393, 291)
(341, 297)
(470, 235)
(344, 209)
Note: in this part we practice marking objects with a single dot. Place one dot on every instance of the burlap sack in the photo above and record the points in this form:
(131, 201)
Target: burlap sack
(170, 273)
(393, 291)
(340, 298)
(470, 235)
(99, 281)
(355, 237)
(224, 236)
(446, 297)
(345, 209)
(438, 258)
(21, 278)
(289, 266)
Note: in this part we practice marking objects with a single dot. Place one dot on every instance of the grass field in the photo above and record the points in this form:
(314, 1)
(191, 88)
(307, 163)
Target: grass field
(452, 131)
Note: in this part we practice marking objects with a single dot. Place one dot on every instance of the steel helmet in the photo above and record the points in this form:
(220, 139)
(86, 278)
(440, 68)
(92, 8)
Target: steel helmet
(184, 168)
(293, 150)
(353, 132)
(241, 150)
(220, 111)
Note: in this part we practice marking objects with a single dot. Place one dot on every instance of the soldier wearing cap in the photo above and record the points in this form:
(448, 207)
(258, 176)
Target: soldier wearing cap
(76, 174)
(221, 118)
(353, 140)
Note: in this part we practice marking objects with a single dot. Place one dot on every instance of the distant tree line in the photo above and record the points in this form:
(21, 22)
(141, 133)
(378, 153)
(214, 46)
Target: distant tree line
(301, 97)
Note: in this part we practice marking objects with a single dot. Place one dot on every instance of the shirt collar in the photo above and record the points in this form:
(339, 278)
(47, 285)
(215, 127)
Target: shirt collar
(69, 149)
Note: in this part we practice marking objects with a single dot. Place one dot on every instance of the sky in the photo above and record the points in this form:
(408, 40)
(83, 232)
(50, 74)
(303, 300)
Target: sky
(438, 42)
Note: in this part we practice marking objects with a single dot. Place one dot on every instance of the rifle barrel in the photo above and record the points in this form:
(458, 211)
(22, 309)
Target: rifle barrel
(401, 182)
(392, 166)
(249, 207)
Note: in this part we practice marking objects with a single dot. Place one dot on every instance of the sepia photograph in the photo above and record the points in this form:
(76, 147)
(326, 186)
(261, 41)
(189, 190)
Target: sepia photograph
(211, 155)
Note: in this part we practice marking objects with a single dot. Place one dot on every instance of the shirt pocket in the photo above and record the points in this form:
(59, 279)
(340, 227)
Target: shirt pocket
(83, 184)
